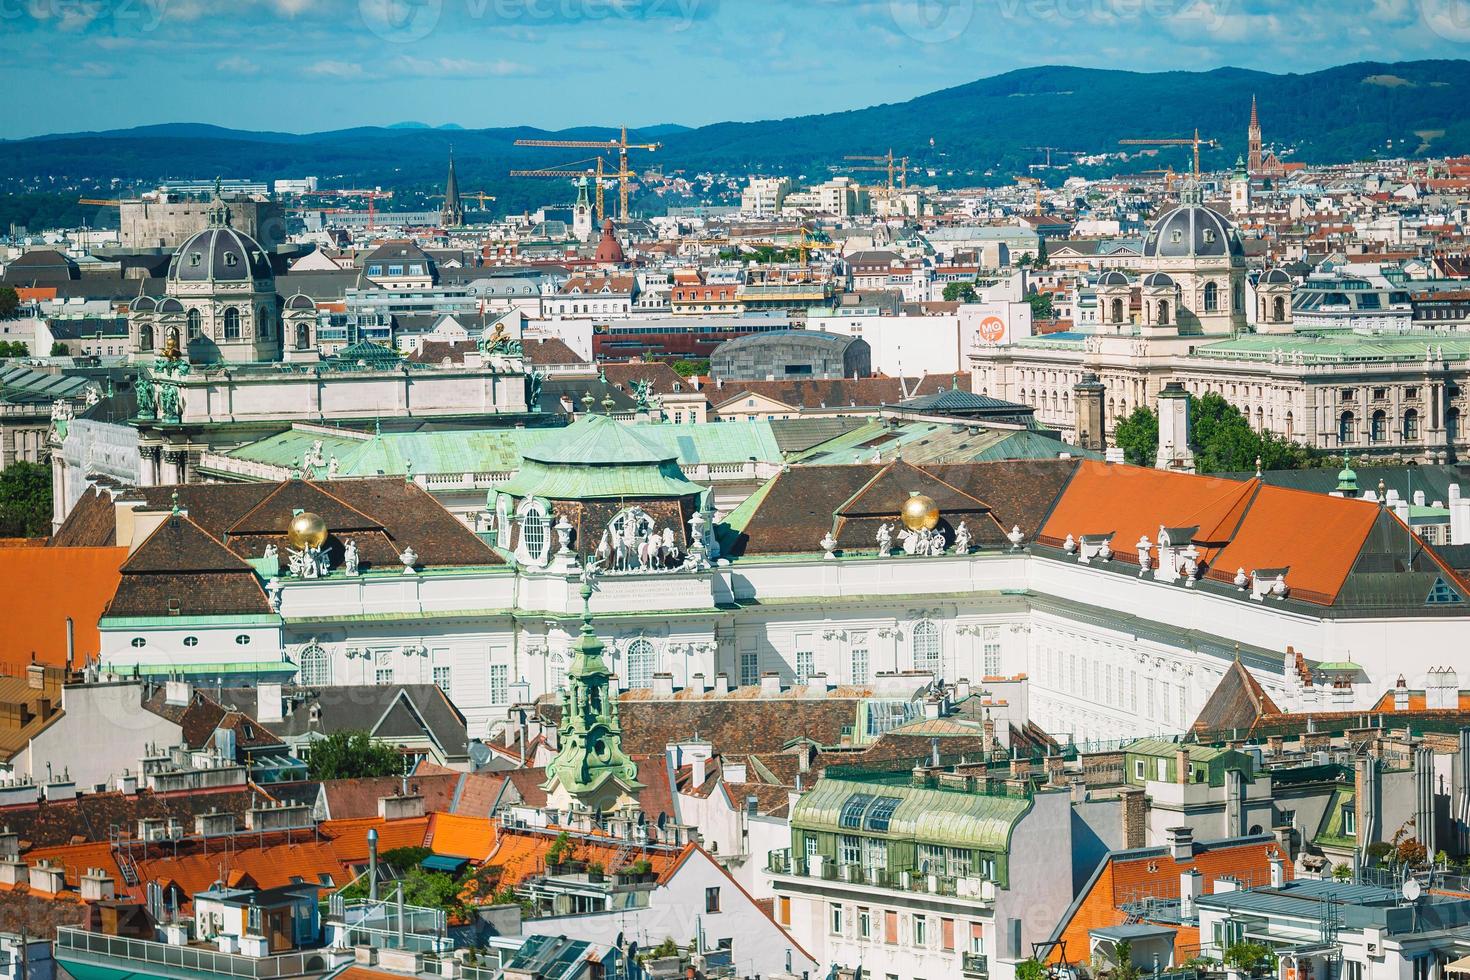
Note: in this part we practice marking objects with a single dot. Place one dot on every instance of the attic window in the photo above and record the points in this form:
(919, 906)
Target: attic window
(191, 641)
(174, 607)
(1442, 594)
(1209, 235)
(195, 259)
(231, 259)
(243, 639)
(1176, 235)
(138, 641)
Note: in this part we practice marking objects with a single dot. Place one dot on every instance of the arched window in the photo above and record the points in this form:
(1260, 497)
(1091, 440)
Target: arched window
(1212, 297)
(1411, 424)
(232, 324)
(1378, 426)
(640, 662)
(556, 672)
(926, 646)
(1117, 311)
(1278, 309)
(314, 667)
(303, 336)
(1163, 312)
(145, 337)
(1290, 431)
(1345, 423)
(196, 324)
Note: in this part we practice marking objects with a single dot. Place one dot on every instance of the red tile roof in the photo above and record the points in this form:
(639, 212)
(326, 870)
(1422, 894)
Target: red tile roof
(40, 588)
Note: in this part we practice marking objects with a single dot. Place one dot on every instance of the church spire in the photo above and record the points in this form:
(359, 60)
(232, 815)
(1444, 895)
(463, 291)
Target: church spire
(1255, 158)
(452, 214)
(590, 771)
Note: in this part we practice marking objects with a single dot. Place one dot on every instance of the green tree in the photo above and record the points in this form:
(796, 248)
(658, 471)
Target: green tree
(1042, 306)
(25, 500)
(14, 348)
(1030, 969)
(9, 303)
(687, 368)
(1123, 956)
(962, 292)
(1041, 255)
(59, 349)
(1138, 436)
(404, 858)
(352, 754)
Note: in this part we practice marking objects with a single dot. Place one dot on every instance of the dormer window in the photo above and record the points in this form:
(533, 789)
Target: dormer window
(195, 259)
(231, 259)
(1176, 235)
(1209, 236)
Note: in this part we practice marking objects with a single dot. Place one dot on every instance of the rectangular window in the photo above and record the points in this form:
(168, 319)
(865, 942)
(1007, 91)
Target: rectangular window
(1161, 767)
(750, 668)
(1138, 770)
(991, 651)
(804, 665)
(835, 919)
(499, 684)
(712, 899)
(921, 931)
(865, 924)
(860, 663)
(977, 937)
(890, 928)
(783, 910)
(1349, 821)
(441, 678)
(852, 849)
(946, 935)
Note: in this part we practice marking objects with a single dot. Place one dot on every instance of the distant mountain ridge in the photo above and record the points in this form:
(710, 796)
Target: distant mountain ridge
(992, 124)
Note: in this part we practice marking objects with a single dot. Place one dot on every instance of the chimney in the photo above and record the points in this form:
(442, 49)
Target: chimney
(1278, 871)
(722, 685)
(401, 806)
(1191, 887)
(1181, 766)
(663, 685)
(697, 684)
(1401, 695)
(770, 684)
(816, 685)
(97, 886)
(14, 871)
(268, 703)
(177, 693)
(962, 689)
(47, 878)
(36, 673)
(1180, 841)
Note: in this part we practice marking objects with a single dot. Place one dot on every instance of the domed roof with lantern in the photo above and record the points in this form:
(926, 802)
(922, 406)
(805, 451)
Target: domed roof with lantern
(220, 253)
(1192, 231)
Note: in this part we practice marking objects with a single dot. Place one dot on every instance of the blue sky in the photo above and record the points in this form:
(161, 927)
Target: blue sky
(304, 65)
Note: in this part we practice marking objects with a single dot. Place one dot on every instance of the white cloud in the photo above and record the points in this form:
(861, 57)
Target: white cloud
(341, 70)
(238, 65)
(456, 67)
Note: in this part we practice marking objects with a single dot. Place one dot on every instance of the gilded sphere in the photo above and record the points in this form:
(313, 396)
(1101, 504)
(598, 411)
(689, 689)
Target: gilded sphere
(306, 530)
(919, 513)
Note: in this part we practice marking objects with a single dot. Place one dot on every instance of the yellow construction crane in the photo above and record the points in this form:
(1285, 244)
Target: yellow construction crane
(598, 175)
(623, 175)
(480, 196)
(1169, 174)
(1035, 184)
(1049, 150)
(100, 203)
(809, 244)
(888, 164)
(1195, 142)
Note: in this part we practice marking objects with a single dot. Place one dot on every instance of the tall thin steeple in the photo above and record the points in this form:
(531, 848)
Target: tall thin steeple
(1254, 157)
(452, 214)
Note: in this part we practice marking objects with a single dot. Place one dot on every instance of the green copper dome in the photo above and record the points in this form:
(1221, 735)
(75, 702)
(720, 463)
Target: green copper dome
(596, 457)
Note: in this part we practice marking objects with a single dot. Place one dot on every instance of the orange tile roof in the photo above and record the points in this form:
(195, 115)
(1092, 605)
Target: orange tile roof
(1129, 876)
(350, 836)
(461, 836)
(1242, 524)
(41, 587)
(520, 855)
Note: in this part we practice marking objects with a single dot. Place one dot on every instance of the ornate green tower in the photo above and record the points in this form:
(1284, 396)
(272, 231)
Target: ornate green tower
(590, 771)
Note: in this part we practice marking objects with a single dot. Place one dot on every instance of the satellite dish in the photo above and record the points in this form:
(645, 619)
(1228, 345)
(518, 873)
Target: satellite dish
(1412, 890)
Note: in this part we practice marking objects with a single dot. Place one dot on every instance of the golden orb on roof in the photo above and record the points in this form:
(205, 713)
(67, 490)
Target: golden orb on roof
(306, 530)
(919, 513)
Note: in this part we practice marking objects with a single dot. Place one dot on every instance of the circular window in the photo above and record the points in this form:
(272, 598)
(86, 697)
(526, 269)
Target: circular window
(191, 641)
(138, 641)
(242, 639)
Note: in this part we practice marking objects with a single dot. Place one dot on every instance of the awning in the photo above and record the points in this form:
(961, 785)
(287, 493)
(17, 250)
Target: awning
(444, 863)
(1461, 965)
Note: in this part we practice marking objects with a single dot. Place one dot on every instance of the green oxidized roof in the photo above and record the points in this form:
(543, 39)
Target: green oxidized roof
(1339, 345)
(596, 457)
(932, 816)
